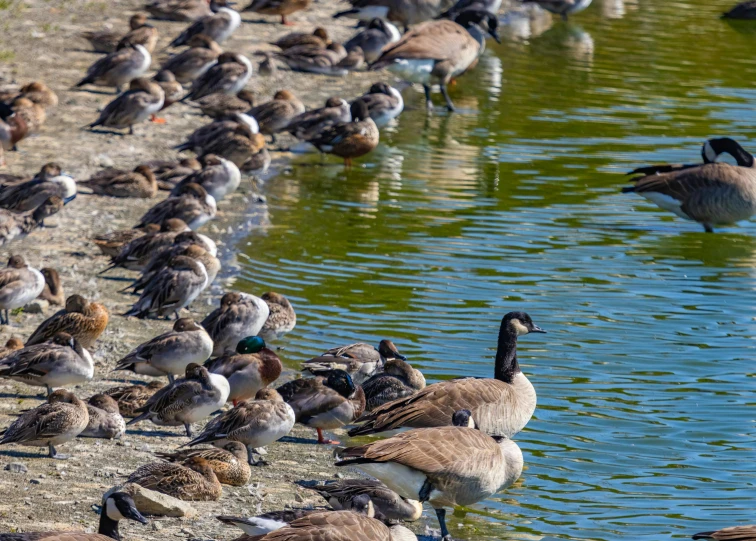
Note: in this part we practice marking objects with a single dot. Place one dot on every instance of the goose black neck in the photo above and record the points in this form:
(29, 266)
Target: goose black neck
(108, 526)
(731, 147)
(506, 355)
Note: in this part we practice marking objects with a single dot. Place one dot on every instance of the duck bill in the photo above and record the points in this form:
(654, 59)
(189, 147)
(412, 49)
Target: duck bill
(495, 35)
(538, 329)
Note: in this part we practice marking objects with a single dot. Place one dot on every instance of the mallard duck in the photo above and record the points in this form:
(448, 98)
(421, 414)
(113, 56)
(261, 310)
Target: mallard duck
(15, 225)
(19, 285)
(310, 123)
(135, 254)
(318, 38)
(143, 99)
(132, 397)
(564, 8)
(13, 128)
(501, 405)
(192, 63)
(179, 10)
(112, 243)
(251, 368)
(274, 115)
(219, 176)
(195, 251)
(59, 420)
(13, 344)
(33, 114)
(31, 194)
(139, 183)
(378, 34)
(172, 90)
(194, 480)
(82, 319)
(277, 7)
(398, 380)
(229, 463)
(170, 353)
(106, 41)
(282, 318)
(219, 26)
(255, 423)
(240, 315)
(359, 360)
(228, 76)
(105, 419)
(326, 401)
(193, 205)
(221, 105)
(53, 290)
(118, 68)
(349, 140)
(384, 103)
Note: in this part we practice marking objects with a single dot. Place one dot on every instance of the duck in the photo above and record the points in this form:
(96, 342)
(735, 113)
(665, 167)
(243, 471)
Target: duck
(389, 506)
(310, 123)
(282, 318)
(193, 205)
(19, 285)
(404, 12)
(267, 66)
(47, 172)
(239, 144)
(378, 34)
(206, 135)
(240, 315)
(33, 114)
(330, 60)
(169, 354)
(185, 11)
(53, 290)
(349, 140)
(252, 367)
(327, 401)
(57, 421)
(137, 253)
(13, 344)
(222, 105)
(193, 481)
(257, 162)
(106, 41)
(194, 251)
(112, 243)
(139, 183)
(733, 533)
(255, 423)
(143, 99)
(398, 380)
(173, 288)
(172, 90)
(419, 58)
(105, 419)
(13, 128)
(384, 103)
(710, 194)
(219, 177)
(38, 93)
(446, 466)
(219, 26)
(15, 225)
(59, 362)
(193, 62)
(267, 522)
(228, 76)
(229, 463)
(31, 194)
(186, 401)
(118, 68)
(501, 405)
(274, 115)
(278, 7)
(145, 35)
(82, 319)
(318, 38)
(359, 360)
(338, 525)
(132, 397)
(169, 172)
(563, 8)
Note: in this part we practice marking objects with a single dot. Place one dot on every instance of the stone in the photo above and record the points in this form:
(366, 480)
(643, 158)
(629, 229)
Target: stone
(35, 481)
(16, 467)
(154, 503)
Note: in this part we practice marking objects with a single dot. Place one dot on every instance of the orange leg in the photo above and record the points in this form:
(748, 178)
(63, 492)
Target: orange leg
(235, 402)
(157, 120)
(322, 440)
(285, 22)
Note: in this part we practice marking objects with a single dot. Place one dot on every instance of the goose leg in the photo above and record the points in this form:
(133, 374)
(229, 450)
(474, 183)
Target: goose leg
(55, 454)
(188, 427)
(441, 514)
(7, 318)
(170, 379)
(708, 228)
(445, 94)
(131, 130)
(428, 100)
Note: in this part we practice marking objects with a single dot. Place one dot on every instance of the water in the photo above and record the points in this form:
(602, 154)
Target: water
(644, 424)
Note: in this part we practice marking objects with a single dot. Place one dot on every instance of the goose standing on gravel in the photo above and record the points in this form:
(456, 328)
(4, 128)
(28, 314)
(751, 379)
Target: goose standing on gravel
(19, 285)
(562, 7)
(139, 183)
(191, 204)
(82, 319)
(240, 315)
(59, 420)
(119, 68)
(169, 354)
(446, 466)
(193, 481)
(31, 194)
(228, 76)
(710, 194)
(398, 380)
(194, 62)
(219, 26)
(501, 405)
(219, 177)
(360, 361)
(53, 290)
(15, 225)
(373, 39)
(384, 103)
(282, 318)
(132, 397)
(230, 463)
(277, 7)
(437, 51)
(187, 400)
(105, 419)
(143, 99)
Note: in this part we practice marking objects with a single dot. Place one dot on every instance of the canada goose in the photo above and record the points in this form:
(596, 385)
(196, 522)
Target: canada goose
(562, 7)
(359, 360)
(219, 26)
(268, 522)
(173, 288)
(116, 183)
(373, 39)
(318, 38)
(187, 400)
(117, 507)
(437, 51)
(251, 368)
(19, 284)
(338, 525)
(188, 249)
(446, 466)
(255, 423)
(82, 319)
(219, 177)
(404, 12)
(229, 76)
(349, 140)
(178, 10)
(132, 397)
(118, 68)
(388, 504)
(170, 353)
(106, 41)
(282, 318)
(710, 194)
(733, 533)
(135, 254)
(143, 99)
(310, 123)
(221, 105)
(384, 103)
(58, 362)
(398, 380)
(230, 463)
(59, 420)
(277, 7)
(31, 194)
(326, 401)
(274, 115)
(194, 480)
(500, 406)
(240, 315)
(192, 204)
(15, 225)
(53, 290)
(194, 62)
(105, 419)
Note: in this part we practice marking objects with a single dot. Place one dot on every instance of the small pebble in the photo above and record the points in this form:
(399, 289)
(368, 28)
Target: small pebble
(35, 481)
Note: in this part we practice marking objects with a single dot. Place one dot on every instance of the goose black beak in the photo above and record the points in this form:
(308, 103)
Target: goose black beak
(495, 35)
(537, 329)
(134, 514)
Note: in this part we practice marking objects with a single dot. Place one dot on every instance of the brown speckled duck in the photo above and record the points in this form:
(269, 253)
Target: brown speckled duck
(282, 318)
(143, 99)
(194, 480)
(53, 291)
(82, 319)
(277, 7)
(140, 183)
(229, 463)
(349, 140)
(132, 397)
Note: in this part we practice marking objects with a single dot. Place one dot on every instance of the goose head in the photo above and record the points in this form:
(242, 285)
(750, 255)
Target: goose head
(464, 419)
(483, 19)
(519, 324)
(363, 505)
(250, 344)
(119, 506)
(713, 148)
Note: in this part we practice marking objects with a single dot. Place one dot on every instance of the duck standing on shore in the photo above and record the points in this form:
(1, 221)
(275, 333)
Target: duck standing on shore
(349, 140)
(19, 285)
(228, 76)
(219, 26)
(276, 114)
(82, 319)
(143, 99)
(118, 68)
(240, 315)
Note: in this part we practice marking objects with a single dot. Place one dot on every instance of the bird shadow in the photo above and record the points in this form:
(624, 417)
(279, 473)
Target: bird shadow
(23, 396)
(117, 278)
(23, 454)
(156, 433)
(294, 439)
(91, 91)
(108, 132)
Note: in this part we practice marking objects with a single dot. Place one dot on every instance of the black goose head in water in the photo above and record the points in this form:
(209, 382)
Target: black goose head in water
(519, 324)
(713, 148)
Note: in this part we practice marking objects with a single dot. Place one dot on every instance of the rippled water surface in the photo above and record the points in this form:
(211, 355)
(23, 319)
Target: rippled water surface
(644, 427)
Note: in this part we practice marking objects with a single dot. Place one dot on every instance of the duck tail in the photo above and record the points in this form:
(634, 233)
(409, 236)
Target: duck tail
(137, 312)
(85, 81)
(141, 417)
(202, 438)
